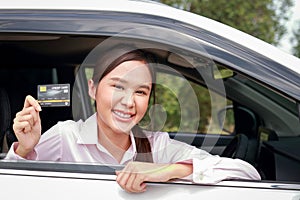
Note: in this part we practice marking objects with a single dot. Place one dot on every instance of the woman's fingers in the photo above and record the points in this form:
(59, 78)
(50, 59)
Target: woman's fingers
(131, 181)
(134, 175)
(122, 178)
(27, 126)
(137, 183)
(128, 183)
(33, 114)
(21, 127)
(27, 117)
(30, 101)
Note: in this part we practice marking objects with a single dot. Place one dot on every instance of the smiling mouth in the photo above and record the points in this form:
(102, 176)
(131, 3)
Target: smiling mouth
(122, 115)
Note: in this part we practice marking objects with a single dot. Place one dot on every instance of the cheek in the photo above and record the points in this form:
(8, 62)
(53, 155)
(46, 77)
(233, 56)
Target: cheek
(142, 105)
(107, 99)
(103, 98)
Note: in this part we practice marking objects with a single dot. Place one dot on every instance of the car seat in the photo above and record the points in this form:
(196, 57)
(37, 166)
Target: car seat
(245, 145)
(243, 148)
(5, 120)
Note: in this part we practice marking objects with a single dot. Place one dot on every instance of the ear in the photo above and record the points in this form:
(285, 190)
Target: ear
(92, 89)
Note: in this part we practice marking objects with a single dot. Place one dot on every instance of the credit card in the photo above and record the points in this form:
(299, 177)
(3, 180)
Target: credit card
(54, 95)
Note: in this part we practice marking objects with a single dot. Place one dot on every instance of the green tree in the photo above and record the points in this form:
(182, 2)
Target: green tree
(263, 19)
(296, 41)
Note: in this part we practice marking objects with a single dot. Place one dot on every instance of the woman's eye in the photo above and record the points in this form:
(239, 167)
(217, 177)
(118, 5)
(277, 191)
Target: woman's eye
(141, 92)
(119, 87)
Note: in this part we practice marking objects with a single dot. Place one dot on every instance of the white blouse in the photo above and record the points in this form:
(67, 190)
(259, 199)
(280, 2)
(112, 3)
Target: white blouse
(72, 141)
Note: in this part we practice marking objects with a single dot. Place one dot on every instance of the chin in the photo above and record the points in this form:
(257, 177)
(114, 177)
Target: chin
(123, 129)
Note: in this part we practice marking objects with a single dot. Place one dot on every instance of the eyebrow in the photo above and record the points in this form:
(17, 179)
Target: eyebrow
(124, 81)
(118, 79)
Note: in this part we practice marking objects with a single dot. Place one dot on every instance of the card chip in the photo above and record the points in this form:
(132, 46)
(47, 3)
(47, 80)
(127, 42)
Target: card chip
(43, 88)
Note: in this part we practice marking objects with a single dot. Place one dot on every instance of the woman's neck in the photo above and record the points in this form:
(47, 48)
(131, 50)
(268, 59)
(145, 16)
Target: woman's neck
(116, 143)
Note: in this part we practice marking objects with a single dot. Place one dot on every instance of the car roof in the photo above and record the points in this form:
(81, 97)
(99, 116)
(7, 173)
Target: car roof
(162, 10)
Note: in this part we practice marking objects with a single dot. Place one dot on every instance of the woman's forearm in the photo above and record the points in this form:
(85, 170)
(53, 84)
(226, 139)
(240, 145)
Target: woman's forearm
(178, 170)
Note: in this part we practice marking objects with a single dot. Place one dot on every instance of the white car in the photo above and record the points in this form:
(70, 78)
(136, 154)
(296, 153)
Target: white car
(218, 89)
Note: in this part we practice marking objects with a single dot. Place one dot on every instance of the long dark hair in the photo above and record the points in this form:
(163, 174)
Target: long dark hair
(109, 61)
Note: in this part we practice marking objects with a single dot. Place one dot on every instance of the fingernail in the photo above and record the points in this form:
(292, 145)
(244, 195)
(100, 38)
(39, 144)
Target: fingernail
(38, 108)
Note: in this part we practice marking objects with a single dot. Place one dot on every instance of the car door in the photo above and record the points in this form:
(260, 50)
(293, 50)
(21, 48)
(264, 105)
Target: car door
(206, 88)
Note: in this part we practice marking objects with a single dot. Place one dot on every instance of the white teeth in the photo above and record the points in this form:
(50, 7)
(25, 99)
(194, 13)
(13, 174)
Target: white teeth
(123, 115)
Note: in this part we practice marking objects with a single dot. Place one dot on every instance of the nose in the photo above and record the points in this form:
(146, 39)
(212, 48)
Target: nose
(128, 99)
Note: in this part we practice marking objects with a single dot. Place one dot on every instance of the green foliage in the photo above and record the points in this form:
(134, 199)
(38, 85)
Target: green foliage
(296, 41)
(263, 19)
(179, 110)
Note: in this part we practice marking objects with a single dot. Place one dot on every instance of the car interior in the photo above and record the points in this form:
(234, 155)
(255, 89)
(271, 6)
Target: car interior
(264, 134)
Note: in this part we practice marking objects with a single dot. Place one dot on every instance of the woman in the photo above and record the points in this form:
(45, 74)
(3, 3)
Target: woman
(121, 87)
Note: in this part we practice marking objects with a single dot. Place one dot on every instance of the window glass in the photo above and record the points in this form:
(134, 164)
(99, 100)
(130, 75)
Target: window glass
(176, 110)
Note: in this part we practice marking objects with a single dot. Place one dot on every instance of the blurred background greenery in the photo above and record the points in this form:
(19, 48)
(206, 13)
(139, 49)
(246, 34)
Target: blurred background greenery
(264, 19)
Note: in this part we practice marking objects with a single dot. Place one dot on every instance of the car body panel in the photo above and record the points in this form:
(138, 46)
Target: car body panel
(53, 185)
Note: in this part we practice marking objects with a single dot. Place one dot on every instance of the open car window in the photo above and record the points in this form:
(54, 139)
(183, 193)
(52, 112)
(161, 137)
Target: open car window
(205, 94)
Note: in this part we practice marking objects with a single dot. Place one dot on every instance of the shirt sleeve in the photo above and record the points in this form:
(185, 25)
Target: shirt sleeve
(207, 168)
(48, 148)
(11, 154)
(213, 169)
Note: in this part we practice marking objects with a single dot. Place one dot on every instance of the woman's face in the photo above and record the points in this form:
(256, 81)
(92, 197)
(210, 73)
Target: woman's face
(122, 96)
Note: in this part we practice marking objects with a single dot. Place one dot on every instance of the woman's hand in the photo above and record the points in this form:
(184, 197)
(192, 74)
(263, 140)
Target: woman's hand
(133, 177)
(27, 126)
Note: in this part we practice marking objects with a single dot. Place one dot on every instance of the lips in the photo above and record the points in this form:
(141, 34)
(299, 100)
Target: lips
(122, 115)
